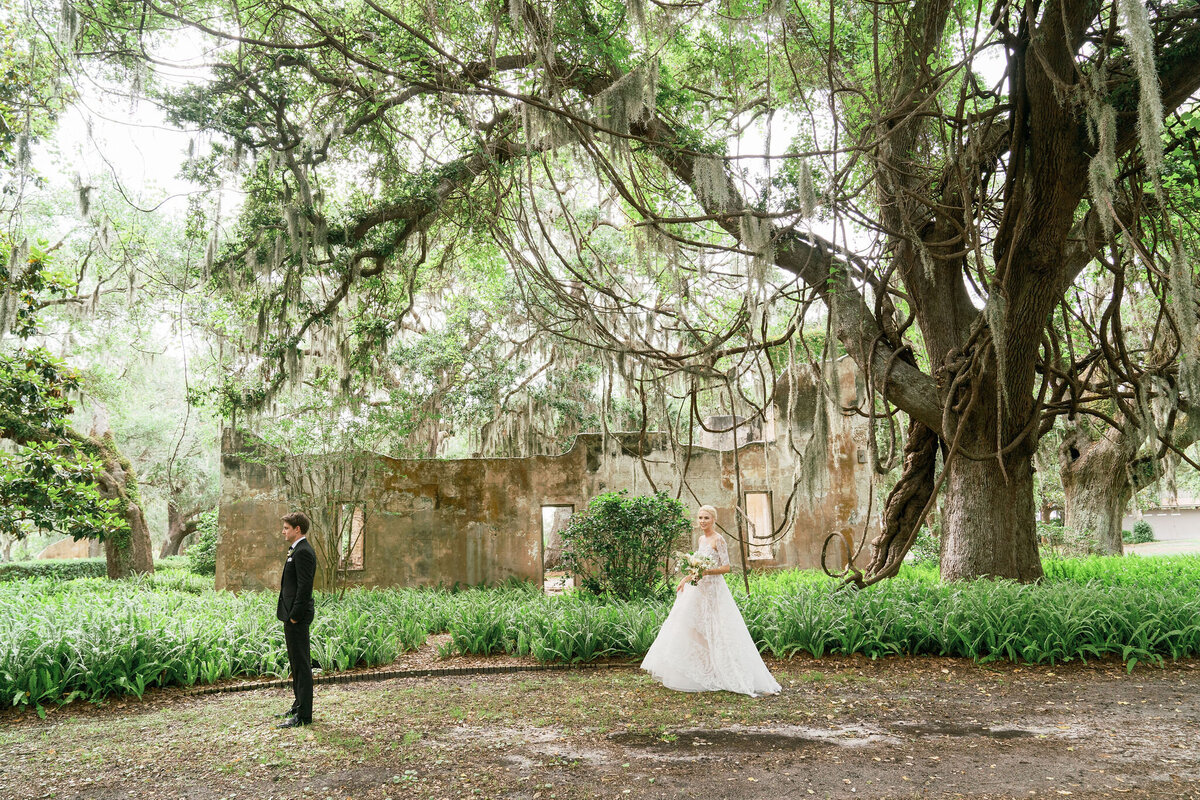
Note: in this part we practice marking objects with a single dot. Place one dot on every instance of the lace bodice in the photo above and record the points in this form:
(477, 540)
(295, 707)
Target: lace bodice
(720, 551)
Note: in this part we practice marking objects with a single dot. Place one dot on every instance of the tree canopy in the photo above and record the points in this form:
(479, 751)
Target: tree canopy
(948, 175)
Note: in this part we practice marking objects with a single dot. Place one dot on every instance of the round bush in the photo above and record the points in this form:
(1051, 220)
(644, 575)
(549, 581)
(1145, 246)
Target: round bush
(202, 556)
(619, 545)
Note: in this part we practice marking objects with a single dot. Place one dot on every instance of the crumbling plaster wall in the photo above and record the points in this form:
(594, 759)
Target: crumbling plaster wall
(479, 520)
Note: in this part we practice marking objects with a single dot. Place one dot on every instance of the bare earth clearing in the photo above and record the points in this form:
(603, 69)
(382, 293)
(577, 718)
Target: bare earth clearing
(843, 728)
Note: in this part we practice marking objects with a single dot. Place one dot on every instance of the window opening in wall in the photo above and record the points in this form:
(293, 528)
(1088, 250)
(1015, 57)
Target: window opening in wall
(761, 526)
(554, 519)
(351, 524)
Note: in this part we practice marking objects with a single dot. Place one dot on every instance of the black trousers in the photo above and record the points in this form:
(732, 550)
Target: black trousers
(300, 661)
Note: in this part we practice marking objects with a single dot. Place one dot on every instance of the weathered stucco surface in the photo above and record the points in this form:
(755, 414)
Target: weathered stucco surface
(72, 548)
(479, 520)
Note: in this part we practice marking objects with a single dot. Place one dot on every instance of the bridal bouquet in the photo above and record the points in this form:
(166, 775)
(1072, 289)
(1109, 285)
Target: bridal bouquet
(693, 565)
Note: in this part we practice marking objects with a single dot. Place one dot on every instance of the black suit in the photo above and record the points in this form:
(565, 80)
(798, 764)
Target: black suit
(296, 603)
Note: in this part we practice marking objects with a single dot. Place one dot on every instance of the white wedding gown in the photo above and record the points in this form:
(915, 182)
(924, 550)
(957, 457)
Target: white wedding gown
(704, 645)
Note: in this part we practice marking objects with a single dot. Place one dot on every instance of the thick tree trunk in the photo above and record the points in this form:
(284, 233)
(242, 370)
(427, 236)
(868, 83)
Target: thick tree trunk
(1096, 486)
(989, 526)
(1095, 508)
(179, 527)
(131, 553)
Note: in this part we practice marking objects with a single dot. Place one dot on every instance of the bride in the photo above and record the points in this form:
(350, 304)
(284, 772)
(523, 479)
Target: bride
(704, 645)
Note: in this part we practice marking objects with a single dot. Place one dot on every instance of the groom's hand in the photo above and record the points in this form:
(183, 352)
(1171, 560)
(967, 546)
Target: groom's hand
(292, 621)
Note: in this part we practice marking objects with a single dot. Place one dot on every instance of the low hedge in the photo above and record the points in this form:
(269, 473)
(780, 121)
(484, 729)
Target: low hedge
(65, 569)
(61, 568)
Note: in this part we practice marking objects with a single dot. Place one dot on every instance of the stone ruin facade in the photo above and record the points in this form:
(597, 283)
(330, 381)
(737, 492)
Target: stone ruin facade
(428, 522)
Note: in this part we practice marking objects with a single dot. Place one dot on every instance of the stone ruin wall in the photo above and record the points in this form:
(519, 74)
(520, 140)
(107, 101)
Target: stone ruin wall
(479, 520)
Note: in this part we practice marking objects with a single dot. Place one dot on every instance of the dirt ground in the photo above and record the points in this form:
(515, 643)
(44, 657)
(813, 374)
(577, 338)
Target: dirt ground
(841, 728)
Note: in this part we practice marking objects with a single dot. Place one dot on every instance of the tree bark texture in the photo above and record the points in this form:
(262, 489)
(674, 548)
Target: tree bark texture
(989, 528)
(1096, 486)
(180, 525)
(132, 552)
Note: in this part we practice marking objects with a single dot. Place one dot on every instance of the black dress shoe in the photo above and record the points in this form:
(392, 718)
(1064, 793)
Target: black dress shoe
(294, 722)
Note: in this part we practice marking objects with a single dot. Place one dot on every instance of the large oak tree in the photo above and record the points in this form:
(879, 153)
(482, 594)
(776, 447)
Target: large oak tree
(971, 158)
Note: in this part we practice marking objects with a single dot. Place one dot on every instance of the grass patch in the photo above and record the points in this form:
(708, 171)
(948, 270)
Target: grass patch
(91, 638)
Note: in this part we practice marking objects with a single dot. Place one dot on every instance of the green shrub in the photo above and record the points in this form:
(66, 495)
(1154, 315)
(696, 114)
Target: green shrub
(619, 545)
(1142, 532)
(202, 556)
(1056, 540)
(1051, 537)
(927, 547)
(171, 562)
(54, 568)
(1127, 536)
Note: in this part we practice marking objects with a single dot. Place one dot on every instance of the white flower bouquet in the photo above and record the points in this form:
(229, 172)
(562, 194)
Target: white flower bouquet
(693, 565)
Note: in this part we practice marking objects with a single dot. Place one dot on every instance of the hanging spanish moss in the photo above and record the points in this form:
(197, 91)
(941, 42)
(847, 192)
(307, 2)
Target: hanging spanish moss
(18, 259)
(1102, 130)
(7, 313)
(1139, 39)
(516, 15)
(136, 85)
(711, 182)
(1143, 421)
(320, 236)
(649, 87)
(1183, 295)
(83, 196)
(628, 99)
(68, 24)
(291, 218)
(756, 236)
(811, 468)
(637, 13)
(808, 192)
(210, 252)
(665, 245)
(278, 254)
(544, 129)
(292, 365)
(23, 154)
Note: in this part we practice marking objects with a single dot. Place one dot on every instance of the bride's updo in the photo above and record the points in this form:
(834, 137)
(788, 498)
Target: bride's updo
(712, 512)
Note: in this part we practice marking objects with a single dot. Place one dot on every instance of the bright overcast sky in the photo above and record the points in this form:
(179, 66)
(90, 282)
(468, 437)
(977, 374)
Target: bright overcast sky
(108, 135)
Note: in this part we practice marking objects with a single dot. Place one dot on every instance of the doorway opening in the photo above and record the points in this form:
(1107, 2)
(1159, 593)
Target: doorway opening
(761, 525)
(554, 519)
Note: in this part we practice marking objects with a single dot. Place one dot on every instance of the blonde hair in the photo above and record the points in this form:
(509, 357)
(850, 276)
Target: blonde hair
(712, 512)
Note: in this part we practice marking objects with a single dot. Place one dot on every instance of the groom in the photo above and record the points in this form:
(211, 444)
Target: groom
(295, 611)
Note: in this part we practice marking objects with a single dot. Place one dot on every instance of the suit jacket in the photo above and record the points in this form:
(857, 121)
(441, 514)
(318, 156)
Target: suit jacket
(296, 587)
